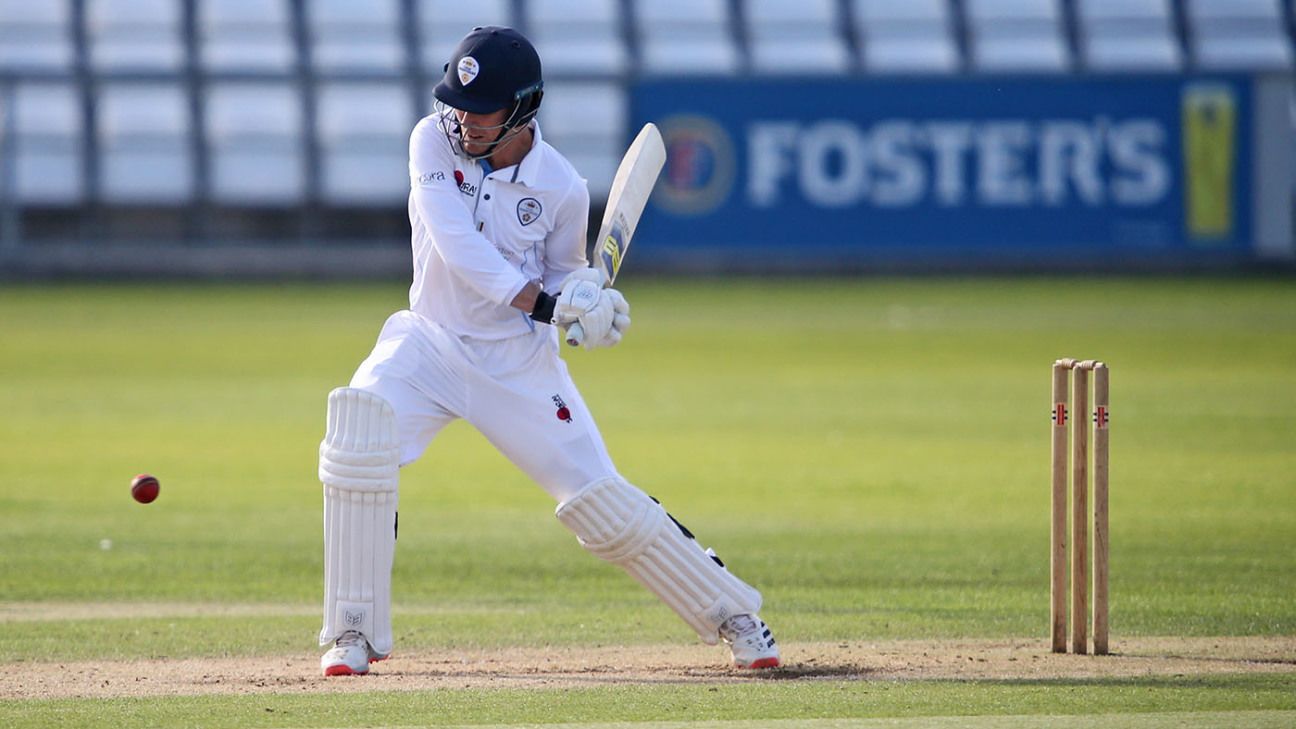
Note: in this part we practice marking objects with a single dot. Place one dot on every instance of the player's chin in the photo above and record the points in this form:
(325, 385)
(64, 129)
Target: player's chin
(475, 148)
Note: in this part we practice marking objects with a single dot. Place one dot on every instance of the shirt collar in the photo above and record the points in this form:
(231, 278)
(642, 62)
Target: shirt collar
(527, 171)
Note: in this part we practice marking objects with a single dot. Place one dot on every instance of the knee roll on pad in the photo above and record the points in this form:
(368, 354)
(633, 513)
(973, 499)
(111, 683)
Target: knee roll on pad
(623, 525)
(360, 450)
(359, 466)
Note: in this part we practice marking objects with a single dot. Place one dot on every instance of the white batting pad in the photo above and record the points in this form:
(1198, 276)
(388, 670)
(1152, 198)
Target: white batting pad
(359, 465)
(624, 526)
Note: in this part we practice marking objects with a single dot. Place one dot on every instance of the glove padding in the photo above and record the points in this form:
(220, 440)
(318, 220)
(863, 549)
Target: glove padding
(603, 313)
(620, 321)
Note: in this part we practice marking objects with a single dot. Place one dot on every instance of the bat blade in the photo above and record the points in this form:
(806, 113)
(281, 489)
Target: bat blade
(634, 181)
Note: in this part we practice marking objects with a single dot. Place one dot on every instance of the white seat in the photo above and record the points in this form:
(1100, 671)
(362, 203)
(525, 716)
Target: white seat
(1017, 35)
(586, 121)
(890, 54)
(679, 57)
(578, 37)
(1033, 55)
(443, 23)
(598, 167)
(1266, 13)
(47, 125)
(356, 36)
(796, 37)
(1128, 35)
(35, 36)
(144, 144)
(254, 131)
(363, 131)
(685, 37)
(1239, 35)
(134, 35)
(1133, 54)
(792, 56)
(246, 35)
(1271, 52)
(906, 36)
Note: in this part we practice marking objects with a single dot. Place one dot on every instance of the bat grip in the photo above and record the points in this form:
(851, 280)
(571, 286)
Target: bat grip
(575, 334)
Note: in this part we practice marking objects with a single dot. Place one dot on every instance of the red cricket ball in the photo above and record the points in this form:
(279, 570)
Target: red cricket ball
(144, 488)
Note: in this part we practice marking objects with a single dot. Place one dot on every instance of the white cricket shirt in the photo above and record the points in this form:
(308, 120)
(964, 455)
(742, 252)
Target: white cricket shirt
(479, 236)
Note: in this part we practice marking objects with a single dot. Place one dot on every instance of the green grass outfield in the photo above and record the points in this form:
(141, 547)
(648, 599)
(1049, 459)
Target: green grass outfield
(872, 453)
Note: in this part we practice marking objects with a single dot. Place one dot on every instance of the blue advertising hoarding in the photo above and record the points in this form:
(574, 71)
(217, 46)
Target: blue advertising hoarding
(1099, 170)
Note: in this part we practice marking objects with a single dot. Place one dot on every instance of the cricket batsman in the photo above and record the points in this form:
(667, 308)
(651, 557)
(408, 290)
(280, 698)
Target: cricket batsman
(498, 222)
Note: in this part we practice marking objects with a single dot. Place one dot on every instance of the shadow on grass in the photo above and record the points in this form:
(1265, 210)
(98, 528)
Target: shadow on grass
(845, 671)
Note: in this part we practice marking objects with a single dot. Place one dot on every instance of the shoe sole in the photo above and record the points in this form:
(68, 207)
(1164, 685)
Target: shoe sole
(761, 663)
(343, 670)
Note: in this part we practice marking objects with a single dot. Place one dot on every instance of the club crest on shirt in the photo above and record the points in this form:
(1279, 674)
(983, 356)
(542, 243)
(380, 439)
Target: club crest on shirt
(468, 70)
(528, 209)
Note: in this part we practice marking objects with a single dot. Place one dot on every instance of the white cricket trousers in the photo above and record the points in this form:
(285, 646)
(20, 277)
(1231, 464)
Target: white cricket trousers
(517, 392)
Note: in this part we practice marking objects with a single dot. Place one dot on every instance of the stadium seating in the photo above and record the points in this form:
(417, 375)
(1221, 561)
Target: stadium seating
(35, 36)
(355, 37)
(906, 36)
(364, 133)
(442, 23)
(686, 37)
(255, 63)
(246, 35)
(796, 37)
(47, 142)
(144, 143)
(1128, 35)
(1017, 36)
(255, 141)
(135, 35)
(1232, 35)
(587, 121)
(578, 37)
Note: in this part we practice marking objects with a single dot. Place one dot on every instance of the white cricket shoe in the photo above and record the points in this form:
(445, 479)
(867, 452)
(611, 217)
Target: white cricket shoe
(750, 641)
(350, 655)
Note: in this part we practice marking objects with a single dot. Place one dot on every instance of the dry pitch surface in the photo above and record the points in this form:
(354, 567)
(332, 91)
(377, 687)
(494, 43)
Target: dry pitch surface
(648, 664)
(561, 667)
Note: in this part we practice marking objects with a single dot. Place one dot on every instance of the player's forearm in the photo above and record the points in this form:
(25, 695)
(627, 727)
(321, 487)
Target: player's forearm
(533, 300)
(527, 297)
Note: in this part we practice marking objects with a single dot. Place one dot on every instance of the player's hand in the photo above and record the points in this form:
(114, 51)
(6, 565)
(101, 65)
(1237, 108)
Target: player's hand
(620, 321)
(584, 300)
(604, 314)
(580, 292)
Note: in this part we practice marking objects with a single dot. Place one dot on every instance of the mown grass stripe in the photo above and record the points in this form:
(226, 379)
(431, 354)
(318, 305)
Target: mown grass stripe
(1166, 720)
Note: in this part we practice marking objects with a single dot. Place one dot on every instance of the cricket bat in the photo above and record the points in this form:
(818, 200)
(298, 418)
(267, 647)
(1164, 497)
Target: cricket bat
(634, 181)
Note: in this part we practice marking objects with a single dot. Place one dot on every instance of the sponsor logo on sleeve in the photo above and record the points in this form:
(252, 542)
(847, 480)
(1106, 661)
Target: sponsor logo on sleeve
(465, 187)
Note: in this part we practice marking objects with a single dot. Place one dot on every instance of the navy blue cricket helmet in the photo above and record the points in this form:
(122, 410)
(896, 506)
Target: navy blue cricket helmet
(493, 68)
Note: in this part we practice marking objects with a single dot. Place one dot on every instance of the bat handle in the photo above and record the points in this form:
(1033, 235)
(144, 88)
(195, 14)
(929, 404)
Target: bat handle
(575, 334)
